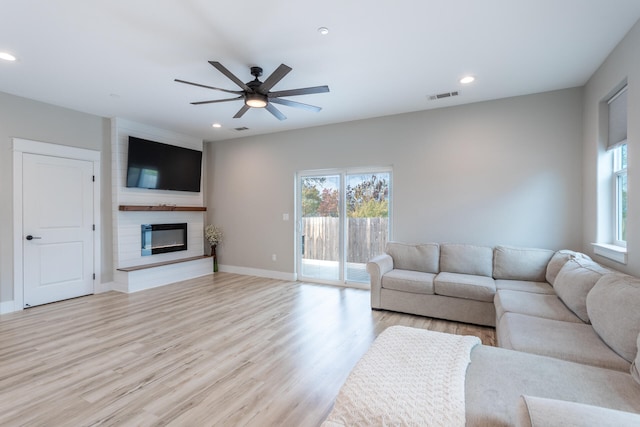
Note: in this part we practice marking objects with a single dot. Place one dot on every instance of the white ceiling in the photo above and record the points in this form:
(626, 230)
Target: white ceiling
(118, 58)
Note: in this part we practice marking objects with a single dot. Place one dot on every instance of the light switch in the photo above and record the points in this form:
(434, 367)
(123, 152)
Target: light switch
(285, 217)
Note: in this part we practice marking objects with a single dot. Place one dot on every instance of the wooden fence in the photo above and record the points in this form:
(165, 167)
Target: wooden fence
(321, 237)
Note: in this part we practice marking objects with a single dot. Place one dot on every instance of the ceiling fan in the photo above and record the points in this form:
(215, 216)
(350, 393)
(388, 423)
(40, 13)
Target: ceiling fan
(256, 94)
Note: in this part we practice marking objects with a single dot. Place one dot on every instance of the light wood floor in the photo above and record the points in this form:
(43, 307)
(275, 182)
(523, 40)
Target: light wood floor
(225, 350)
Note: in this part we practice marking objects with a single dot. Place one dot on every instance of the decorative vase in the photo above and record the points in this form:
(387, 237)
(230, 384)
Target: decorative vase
(215, 258)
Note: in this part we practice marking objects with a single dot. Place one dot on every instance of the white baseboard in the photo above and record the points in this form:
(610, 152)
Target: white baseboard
(7, 307)
(101, 288)
(269, 274)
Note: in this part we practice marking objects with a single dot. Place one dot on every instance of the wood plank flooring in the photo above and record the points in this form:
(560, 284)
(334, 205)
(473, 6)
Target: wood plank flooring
(219, 350)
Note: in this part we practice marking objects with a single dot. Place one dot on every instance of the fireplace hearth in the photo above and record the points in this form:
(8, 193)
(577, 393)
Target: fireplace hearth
(163, 238)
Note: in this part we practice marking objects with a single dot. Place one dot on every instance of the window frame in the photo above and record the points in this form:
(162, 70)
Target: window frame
(611, 230)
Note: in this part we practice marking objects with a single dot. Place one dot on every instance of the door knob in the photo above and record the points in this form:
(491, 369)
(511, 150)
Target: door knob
(30, 237)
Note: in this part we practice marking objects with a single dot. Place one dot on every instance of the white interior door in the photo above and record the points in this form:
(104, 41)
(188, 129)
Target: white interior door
(57, 228)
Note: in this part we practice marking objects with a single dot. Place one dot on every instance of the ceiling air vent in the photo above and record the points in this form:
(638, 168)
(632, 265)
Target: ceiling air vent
(242, 128)
(444, 95)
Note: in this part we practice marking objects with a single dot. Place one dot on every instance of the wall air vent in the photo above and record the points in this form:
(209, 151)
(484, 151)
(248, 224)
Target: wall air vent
(242, 128)
(444, 95)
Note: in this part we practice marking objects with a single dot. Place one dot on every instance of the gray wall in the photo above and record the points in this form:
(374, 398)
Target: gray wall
(23, 118)
(499, 172)
(623, 63)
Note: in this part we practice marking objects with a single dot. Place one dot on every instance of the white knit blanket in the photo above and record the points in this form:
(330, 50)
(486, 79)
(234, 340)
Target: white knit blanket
(409, 377)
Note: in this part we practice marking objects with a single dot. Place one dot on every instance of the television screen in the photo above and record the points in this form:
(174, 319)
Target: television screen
(158, 166)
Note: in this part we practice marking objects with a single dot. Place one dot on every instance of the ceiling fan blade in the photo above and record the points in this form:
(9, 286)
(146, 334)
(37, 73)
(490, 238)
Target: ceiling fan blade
(273, 110)
(303, 91)
(238, 92)
(216, 100)
(241, 112)
(295, 104)
(274, 78)
(230, 75)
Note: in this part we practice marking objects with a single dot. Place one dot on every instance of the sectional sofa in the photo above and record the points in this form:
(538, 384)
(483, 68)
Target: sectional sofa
(568, 329)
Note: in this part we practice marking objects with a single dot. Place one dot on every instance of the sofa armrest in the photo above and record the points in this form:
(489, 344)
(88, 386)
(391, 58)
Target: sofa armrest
(377, 267)
(539, 412)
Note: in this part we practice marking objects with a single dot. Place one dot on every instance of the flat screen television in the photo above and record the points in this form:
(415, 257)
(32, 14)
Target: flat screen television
(158, 166)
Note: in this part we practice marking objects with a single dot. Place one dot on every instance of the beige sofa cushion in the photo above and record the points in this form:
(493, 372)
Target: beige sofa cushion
(543, 412)
(409, 281)
(558, 260)
(468, 286)
(574, 281)
(423, 257)
(525, 286)
(521, 263)
(466, 259)
(539, 305)
(497, 377)
(576, 342)
(613, 295)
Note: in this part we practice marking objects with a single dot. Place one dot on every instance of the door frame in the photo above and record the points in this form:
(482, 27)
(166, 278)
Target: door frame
(25, 146)
(343, 172)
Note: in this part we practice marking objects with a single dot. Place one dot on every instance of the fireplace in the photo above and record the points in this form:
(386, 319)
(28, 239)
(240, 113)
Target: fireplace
(162, 238)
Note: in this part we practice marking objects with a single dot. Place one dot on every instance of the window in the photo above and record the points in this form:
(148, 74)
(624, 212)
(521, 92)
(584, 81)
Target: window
(620, 194)
(617, 143)
(612, 194)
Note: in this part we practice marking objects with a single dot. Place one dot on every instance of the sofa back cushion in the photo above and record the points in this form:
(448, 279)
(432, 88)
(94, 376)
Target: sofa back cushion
(416, 257)
(613, 309)
(512, 263)
(574, 281)
(466, 259)
(558, 260)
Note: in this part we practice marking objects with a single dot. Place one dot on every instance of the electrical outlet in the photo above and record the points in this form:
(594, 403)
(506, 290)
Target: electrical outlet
(274, 257)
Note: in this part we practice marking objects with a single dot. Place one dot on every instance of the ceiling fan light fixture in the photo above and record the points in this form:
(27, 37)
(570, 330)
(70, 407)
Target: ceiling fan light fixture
(256, 100)
(257, 94)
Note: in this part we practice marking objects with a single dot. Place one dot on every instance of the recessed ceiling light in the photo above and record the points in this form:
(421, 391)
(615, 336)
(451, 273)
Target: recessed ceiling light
(7, 56)
(323, 30)
(467, 79)
(216, 125)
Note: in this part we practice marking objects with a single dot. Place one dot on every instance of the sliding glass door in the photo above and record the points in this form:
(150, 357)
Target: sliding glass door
(343, 221)
(320, 225)
(367, 224)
